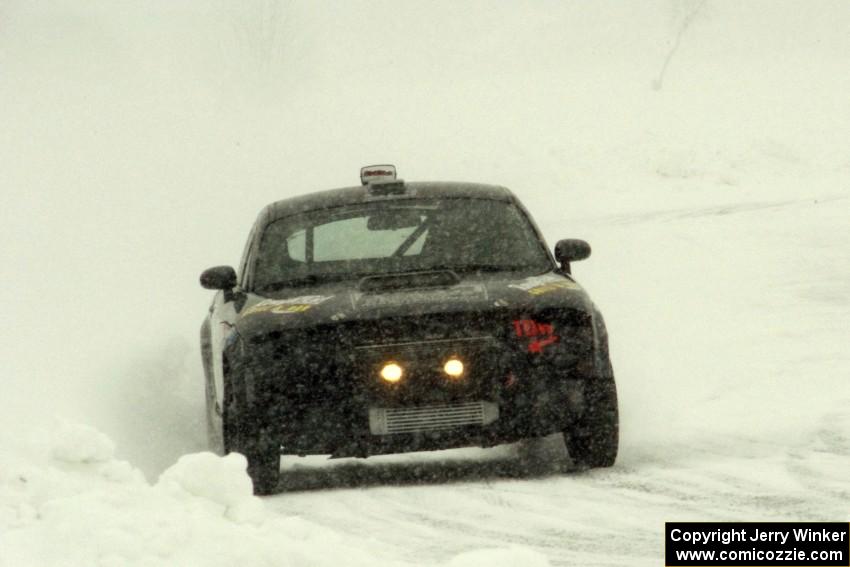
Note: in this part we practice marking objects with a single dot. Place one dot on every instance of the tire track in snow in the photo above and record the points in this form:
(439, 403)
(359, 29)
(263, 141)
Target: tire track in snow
(670, 215)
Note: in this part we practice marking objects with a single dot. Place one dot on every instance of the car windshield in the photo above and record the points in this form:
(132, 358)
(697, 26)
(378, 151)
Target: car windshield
(384, 237)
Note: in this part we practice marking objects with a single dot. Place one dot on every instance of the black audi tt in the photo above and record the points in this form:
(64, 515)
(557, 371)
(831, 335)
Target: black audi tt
(394, 317)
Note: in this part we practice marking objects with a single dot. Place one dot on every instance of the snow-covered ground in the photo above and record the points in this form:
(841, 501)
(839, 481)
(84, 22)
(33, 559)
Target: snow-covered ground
(138, 142)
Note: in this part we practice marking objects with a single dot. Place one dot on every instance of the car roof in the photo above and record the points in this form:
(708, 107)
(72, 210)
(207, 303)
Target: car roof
(362, 194)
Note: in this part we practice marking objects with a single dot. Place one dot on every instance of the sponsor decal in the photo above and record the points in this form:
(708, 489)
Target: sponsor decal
(377, 172)
(286, 306)
(546, 288)
(541, 334)
(540, 285)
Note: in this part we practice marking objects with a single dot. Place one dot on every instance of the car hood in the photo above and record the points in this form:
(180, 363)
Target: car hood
(339, 302)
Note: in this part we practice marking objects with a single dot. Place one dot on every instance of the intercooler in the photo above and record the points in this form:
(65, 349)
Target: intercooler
(386, 421)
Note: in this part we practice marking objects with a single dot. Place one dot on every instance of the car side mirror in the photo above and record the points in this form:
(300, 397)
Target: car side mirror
(571, 250)
(219, 277)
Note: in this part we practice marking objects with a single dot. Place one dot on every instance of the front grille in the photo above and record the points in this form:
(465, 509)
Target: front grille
(385, 421)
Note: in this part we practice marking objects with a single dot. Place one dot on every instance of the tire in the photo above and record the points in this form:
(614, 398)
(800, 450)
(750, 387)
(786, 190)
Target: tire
(264, 468)
(593, 440)
(242, 434)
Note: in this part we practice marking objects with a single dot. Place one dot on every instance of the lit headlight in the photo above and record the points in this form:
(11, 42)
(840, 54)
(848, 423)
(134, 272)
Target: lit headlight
(453, 367)
(392, 372)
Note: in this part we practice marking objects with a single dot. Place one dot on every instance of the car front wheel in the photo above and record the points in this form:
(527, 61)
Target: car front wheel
(242, 434)
(593, 440)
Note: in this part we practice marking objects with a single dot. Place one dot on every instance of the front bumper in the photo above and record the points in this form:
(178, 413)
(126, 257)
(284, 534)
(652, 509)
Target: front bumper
(313, 392)
(346, 430)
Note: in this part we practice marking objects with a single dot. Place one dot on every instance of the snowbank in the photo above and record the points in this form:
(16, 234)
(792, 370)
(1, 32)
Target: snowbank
(220, 480)
(67, 501)
(81, 444)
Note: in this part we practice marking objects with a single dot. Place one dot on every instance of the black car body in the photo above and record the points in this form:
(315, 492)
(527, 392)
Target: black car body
(397, 317)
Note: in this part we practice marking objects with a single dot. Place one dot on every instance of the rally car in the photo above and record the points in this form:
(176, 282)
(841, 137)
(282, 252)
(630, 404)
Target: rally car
(393, 317)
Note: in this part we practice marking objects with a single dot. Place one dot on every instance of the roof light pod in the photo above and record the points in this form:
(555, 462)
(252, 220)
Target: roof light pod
(380, 173)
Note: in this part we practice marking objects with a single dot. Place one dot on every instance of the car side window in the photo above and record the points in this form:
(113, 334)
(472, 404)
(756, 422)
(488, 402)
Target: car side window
(296, 246)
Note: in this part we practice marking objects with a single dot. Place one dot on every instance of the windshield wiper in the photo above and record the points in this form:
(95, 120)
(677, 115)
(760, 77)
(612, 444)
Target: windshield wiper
(411, 239)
